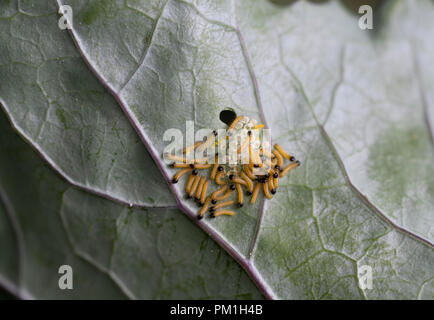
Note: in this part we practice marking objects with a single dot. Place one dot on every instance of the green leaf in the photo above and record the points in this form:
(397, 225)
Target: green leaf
(355, 106)
(9, 272)
(343, 100)
(57, 105)
(115, 251)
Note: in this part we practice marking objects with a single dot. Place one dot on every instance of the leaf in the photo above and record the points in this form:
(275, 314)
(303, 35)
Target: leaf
(354, 106)
(115, 251)
(8, 248)
(343, 100)
(57, 105)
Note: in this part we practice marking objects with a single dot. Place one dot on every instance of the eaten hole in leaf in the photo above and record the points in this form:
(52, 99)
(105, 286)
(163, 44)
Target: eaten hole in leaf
(228, 116)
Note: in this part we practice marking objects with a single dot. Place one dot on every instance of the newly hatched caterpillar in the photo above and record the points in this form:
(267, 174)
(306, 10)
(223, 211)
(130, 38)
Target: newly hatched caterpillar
(224, 179)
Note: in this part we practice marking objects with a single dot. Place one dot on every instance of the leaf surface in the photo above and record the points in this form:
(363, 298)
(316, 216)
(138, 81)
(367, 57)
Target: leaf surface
(354, 106)
(57, 105)
(115, 251)
(346, 102)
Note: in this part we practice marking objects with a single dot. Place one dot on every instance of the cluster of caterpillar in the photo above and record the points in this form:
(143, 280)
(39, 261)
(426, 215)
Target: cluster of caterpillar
(235, 179)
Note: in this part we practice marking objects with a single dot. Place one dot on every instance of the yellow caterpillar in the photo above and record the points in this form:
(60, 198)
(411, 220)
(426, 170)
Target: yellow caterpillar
(232, 177)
